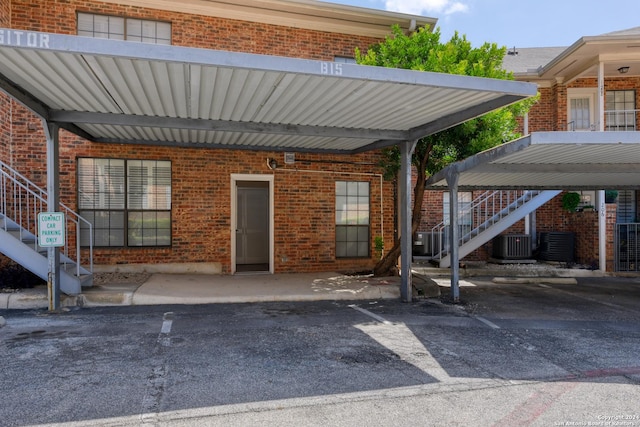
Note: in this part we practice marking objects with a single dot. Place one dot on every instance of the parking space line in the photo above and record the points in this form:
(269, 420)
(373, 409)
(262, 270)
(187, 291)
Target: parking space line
(370, 314)
(167, 322)
(487, 322)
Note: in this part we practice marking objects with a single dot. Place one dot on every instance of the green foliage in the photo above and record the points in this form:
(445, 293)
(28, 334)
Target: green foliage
(610, 196)
(570, 201)
(422, 50)
(378, 244)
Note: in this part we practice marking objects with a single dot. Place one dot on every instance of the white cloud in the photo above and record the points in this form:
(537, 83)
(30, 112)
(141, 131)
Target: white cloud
(421, 7)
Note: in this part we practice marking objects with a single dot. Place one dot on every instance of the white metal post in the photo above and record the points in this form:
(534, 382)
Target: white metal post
(600, 198)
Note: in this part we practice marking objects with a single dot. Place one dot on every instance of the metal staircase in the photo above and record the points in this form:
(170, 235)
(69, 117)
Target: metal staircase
(491, 213)
(20, 202)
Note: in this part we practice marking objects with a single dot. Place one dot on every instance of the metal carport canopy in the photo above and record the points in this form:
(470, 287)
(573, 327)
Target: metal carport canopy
(128, 92)
(545, 161)
(551, 161)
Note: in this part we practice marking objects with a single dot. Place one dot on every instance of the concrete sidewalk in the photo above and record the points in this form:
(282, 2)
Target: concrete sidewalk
(161, 288)
(207, 289)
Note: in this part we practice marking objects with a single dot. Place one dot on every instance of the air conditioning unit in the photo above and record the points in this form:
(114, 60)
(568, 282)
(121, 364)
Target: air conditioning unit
(427, 243)
(557, 246)
(512, 246)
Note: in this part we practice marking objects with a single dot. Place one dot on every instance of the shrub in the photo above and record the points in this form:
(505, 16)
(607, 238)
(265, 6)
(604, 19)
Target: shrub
(14, 276)
(570, 201)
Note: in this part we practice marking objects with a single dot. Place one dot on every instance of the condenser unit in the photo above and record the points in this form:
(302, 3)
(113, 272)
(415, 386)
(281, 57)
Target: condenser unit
(512, 246)
(557, 246)
(426, 243)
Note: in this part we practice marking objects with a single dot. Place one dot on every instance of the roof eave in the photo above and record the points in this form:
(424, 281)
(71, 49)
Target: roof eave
(307, 14)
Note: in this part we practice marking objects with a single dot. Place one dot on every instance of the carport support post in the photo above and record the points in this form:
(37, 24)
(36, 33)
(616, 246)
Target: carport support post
(452, 181)
(53, 202)
(602, 230)
(406, 235)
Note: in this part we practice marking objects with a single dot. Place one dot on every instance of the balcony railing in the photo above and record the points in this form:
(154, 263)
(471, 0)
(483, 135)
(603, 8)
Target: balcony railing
(614, 120)
(620, 120)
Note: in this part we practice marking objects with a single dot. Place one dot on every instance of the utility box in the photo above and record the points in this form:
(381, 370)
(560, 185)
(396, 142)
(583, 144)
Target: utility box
(512, 246)
(427, 243)
(557, 246)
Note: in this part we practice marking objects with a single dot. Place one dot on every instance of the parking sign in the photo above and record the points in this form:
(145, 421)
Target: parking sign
(51, 229)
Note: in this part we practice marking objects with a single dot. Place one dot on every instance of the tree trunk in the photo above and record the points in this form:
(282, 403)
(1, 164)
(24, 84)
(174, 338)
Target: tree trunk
(387, 266)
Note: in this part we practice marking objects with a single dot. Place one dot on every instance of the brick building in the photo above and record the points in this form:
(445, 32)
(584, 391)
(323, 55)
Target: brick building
(215, 137)
(192, 224)
(591, 86)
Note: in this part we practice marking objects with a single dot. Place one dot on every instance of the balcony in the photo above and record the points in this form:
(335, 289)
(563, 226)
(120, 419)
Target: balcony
(620, 120)
(615, 120)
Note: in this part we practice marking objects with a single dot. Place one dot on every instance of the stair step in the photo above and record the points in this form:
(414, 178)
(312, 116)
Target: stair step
(485, 231)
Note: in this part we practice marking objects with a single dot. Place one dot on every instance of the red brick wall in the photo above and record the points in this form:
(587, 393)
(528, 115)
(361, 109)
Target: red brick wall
(542, 114)
(585, 227)
(5, 127)
(5, 107)
(550, 113)
(59, 16)
(611, 227)
(5, 13)
(201, 209)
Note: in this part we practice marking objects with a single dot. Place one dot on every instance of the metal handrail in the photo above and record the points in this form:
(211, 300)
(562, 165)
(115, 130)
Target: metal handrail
(485, 210)
(614, 120)
(21, 200)
(620, 120)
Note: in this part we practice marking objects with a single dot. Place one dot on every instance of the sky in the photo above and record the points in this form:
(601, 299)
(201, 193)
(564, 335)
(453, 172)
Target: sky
(519, 23)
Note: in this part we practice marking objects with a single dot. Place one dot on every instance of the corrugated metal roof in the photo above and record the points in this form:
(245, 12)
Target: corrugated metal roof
(115, 91)
(552, 160)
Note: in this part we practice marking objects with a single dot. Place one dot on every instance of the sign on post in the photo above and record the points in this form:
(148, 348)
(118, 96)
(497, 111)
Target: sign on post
(51, 229)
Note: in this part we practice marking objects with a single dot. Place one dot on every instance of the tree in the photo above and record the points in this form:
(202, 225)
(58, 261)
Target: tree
(423, 51)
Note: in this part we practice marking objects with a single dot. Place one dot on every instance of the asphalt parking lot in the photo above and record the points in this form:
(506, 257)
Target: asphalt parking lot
(510, 354)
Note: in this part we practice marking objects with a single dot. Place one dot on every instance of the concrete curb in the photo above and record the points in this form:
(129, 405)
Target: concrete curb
(535, 280)
(210, 289)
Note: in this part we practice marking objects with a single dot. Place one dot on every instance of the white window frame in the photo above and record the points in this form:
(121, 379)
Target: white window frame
(353, 219)
(582, 93)
(124, 24)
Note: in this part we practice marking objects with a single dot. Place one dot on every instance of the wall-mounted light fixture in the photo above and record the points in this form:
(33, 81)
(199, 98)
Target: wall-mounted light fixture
(272, 163)
(623, 70)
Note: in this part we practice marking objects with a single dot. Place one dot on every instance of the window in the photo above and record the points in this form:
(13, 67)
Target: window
(128, 202)
(465, 216)
(580, 109)
(119, 28)
(626, 210)
(464, 207)
(620, 108)
(352, 219)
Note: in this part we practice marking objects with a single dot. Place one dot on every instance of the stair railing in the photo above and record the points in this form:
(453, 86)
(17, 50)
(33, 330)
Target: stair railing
(485, 210)
(21, 200)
